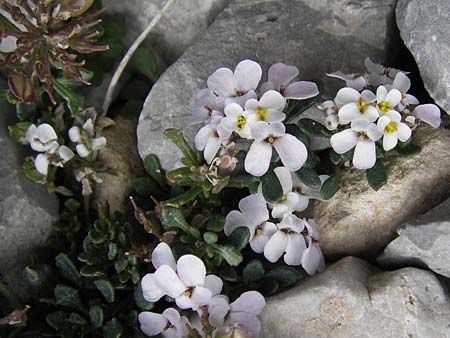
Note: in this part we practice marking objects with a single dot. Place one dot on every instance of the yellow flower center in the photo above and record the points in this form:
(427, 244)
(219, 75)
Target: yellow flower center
(259, 232)
(391, 127)
(384, 106)
(283, 199)
(262, 113)
(362, 105)
(241, 121)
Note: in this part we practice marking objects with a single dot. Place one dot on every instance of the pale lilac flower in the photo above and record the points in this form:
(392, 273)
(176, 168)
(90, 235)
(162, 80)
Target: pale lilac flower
(287, 240)
(291, 150)
(428, 113)
(357, 82)
(355, 105)
(253, 215)
(244, 310)
(380, 75)
(268, 108)
(183, 281)
(210, 137)
(205, 106)
(331, 109)
(387, 100)
(393, 129)
(169, 324)
(362, 136)
(402, 83)
(291, 200)
(236, 120)
(239, 86)
(280, 79)
(85, 137)
(62, 155)
(312, 258)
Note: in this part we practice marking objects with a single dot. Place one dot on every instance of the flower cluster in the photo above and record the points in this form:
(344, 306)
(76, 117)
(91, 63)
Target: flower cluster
(364, 118)
(186, 282)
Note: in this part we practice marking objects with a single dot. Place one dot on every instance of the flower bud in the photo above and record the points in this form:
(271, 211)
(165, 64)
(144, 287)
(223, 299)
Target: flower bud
(21, 86)
(234, 331)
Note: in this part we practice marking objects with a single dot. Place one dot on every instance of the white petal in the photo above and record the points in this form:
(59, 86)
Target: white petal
(365, 154)
(251, 105)
(360, 125)
(343, 141)
(428, 113)
(41, 163)
(257, 161)
(277, 129)
(332, 122)
(89, 127)
(381, 93)
(82, 150)
(311, 259)
(410, 99)
(373, 132)
(258, 243)
(150, 289)
(74, 134)
(383, 121)
(341, 76)
(279, 210)
(302, 202)
(404, 132)
(200, 296)
(346, 95)
(98, 143)
(394, 115)
(152, 323)
(292, 223)
(248, 320)
(211, 148)
(371, 114)
(401, 82)
(233, 110)
(311, 226)
(168, 281)
(348, 113)
(222, 82)
(8, 44)
(358, 83)
(301, 90)
(266, 86)
(394, 97)
(292, 151)
(233, 221)
(390, 141)
(214, 284)
(275, 247)
(281, 74)
(294, 250)
(249, 302)
(162, 255)
(247, 75)
(191, 270)
(202, 137)
(260, 130)
(368, 96)
(172, 315)
(218, 308)
(275, 116)
(65, 153)
(285, 178)
(373, 67)
(254, 209)
(272, 99)
(46, 133)
(184, 302)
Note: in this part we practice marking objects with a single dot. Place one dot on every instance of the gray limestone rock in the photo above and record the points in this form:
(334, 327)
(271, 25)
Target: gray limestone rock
(27, 210)
(316, 36)
(361, 221)
(425, 27)
(422, 242)
(354, 299)
(184, 22)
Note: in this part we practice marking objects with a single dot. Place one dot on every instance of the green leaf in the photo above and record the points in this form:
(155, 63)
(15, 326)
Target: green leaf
(153, 167)
(377, 176)
(410, 149)
(140, 300)
(269, 287)
(244, 181)
(210, 237)
(309, 177)
(135, 90)
(96, 237)
(96, 315)
(69, 297)
(330, 187)
(58, 321)
(314, 128)
(76, 319)
(216, 222)
(72, 204)
(239, 238)
(17, 132)
(146, 63)
(285, 276)
(253, 272)
(106, 289)
(74, 101)
(231, 255)
(271, 187)
(113, 329)
(90, 271)
(228, 273)
(30, 171)
(341, 158)
(176, 136)
(146, 187)
(187, 197)
(173, 217)
(67, 268)
(121, 265)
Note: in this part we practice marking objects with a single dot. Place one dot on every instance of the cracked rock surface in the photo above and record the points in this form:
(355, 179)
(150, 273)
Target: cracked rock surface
(354, 299)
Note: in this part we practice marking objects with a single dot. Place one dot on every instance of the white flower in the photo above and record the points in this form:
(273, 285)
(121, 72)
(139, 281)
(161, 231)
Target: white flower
(42, 138)
(210, 137)
(280, 79)
(238, 86)
(386, 101)
(362, 136)
(244, 310)
(351, 80)
(205, 106)
(287, 240)
(291, 200)
(253, 215)
(402, 83)
(183, 281)
(84, 136)
(331, 109)
(236, 119)
(268, 108)
(291, 150)
(428, 113)
(62, 155)
(380, 75)
(312, 258)
(355, 105)
(85, 177)
(169, 324)
(393, 130)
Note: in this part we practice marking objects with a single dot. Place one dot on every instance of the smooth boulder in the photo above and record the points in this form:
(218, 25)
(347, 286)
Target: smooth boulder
(354, 299)
(316, 36)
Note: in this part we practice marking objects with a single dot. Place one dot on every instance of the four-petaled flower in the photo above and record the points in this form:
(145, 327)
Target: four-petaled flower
(236, 120)
(210, 137)
(268, 108)
(84, 137)
(386, 101)
(356, 105)
(393, 129)
(205, 106)
(169, 324)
